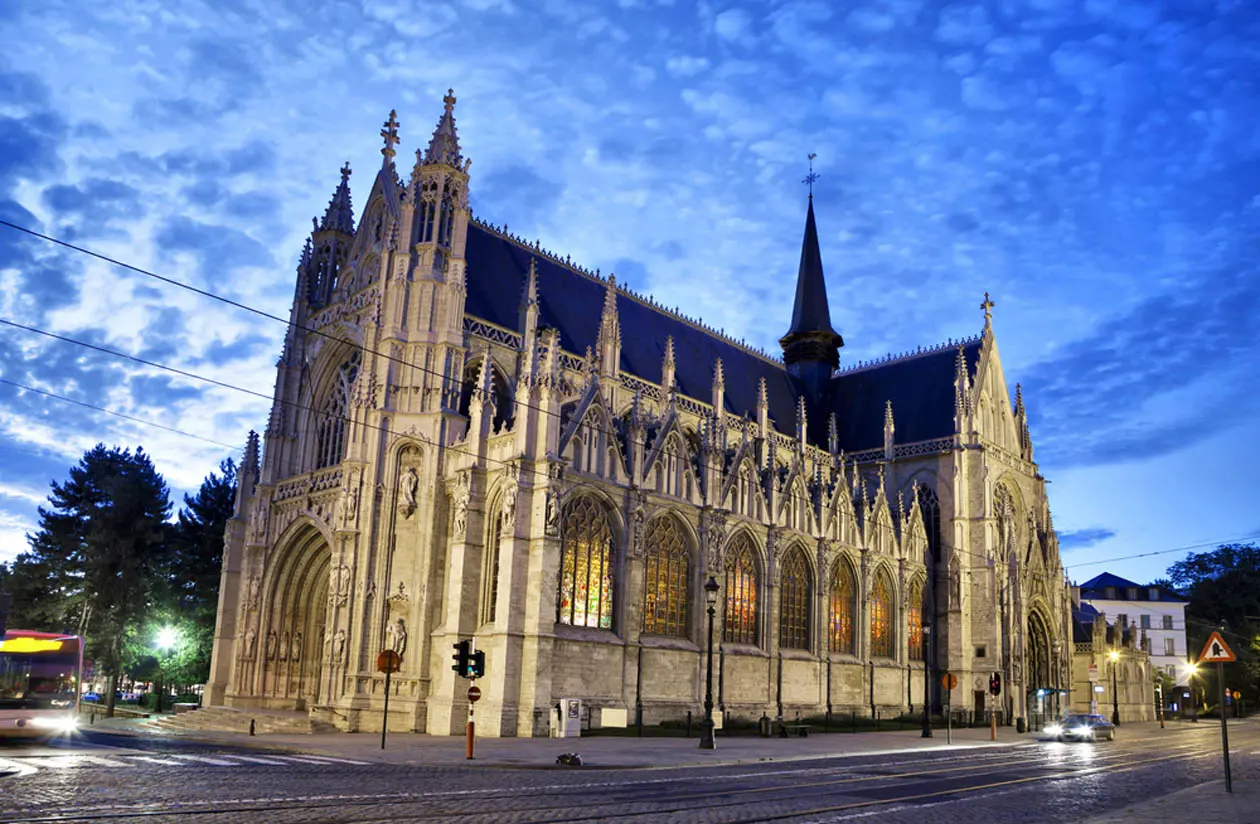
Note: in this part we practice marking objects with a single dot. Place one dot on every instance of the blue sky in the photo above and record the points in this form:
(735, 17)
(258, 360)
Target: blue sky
(1093, 164)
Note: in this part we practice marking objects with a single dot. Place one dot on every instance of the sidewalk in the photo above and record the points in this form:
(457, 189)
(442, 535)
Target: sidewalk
(596, 751)
(1202, 802)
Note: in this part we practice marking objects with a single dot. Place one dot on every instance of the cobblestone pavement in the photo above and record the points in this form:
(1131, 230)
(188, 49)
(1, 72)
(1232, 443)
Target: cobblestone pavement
(117, 778)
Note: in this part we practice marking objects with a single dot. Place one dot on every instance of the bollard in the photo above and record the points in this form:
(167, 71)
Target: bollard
(688, 723)
(251, 726)
(853, 720)
(92, 717)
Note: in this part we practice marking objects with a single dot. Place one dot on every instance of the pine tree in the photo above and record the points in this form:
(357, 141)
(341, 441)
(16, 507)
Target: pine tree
(101, 547)
(193, 576)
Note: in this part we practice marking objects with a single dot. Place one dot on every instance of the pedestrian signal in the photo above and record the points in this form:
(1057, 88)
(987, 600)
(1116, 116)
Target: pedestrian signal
(995, 683)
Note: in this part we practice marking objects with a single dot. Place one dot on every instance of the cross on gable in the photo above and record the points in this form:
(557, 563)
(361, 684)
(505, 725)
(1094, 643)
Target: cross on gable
(987, 306)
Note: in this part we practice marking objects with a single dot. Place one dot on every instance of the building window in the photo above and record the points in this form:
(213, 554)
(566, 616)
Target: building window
(1153, 593)
(794, 592)
(930, 508)
(914, 621)
(490, 593)
(1170, 646)
(1109, 593)
(665, 584)
(982, 652)
(739, 625)
(331, 435)
(586, 575)
(1167, 622)
(1131, 593)
(840, 615)
(1122, 620)
(881, 618)
(1145, 621)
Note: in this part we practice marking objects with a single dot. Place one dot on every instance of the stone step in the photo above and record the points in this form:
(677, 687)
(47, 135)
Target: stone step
(224, 719)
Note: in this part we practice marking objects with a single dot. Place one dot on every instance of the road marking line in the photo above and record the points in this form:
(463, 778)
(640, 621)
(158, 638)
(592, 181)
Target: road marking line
(150, 759)
(325, 758)
(204, 759)
(253, 759)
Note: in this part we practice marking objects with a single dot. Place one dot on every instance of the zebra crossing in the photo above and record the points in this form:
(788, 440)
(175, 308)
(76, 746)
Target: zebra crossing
(29, 765)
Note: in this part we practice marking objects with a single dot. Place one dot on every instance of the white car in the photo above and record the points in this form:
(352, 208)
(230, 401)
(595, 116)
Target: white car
(1082, 728)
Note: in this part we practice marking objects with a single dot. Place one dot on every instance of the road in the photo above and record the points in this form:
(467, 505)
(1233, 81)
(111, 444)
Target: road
(118, 778)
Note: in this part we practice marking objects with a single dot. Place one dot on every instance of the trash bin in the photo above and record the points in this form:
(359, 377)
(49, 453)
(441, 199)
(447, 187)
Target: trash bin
(764, 726)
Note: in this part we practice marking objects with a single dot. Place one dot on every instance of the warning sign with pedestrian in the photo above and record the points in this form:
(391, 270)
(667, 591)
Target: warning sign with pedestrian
(1217, 651)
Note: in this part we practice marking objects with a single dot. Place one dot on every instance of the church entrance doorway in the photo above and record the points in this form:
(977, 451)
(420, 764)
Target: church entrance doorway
(1040, 687)
(295, 623)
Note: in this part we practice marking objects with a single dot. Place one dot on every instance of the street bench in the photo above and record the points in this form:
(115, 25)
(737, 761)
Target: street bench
(798, 730)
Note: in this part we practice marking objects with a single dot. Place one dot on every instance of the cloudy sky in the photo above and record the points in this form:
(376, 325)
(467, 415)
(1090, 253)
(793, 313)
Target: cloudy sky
(1093, 164)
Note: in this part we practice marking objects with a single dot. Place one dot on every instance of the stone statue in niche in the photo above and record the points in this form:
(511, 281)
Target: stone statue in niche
(553, 513)
(272, 641)
(284, 645)
(338, 645)
(407, 491)
(396, 636)
(295, 651)
(251, 642)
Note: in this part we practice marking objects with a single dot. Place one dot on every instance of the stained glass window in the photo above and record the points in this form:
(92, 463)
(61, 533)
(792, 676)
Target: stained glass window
(914, 621)
(740, 621)
(331, 439)
(930, 508)
(881, 614)
(794, 589)
(586, 554)
(665, 584)
(494, 542)
(840, 616)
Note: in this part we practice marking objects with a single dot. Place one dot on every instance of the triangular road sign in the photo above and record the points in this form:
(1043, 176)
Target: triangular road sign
(1216, 650)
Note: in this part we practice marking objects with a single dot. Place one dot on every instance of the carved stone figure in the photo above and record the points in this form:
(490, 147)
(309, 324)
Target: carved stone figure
(338, 646)
(255, 583)
(271, 645)
(351, 510)
(295, 650)
(284, 646)
(407, 491)
(553, 512)
(339, 585)
(251, 642)
(396, 636)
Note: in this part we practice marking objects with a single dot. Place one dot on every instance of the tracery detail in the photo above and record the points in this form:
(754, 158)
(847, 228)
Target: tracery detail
(586, 574)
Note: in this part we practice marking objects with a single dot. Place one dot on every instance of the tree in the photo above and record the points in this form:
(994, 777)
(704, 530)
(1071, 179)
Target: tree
(192, 581)
(1223, 587)
(98, 553)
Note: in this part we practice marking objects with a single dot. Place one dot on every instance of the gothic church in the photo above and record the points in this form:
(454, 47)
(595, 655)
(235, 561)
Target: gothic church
(473, 437)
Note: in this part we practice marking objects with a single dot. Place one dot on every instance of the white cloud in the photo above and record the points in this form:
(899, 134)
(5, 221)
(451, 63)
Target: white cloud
(686, 66)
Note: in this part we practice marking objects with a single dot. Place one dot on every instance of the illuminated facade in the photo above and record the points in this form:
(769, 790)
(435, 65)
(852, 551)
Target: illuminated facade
(473, 437)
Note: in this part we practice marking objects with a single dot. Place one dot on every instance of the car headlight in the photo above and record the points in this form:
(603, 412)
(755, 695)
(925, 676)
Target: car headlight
(1054, 729)
(57, 723)
(1081, 731)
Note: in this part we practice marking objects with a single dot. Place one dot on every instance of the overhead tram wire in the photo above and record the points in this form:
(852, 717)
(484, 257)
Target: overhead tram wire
(132, 418)
(366, 350)
(453, 448)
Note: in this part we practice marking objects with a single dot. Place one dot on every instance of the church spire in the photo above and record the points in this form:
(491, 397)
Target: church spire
(811, 347)
(444, 145)
(339, 216)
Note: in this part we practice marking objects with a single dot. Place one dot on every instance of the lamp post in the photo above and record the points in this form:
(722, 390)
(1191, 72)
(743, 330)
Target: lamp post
(706, 739)
(927, 682)
(165, 640)
(1191, 670)
(1115, 696)
(1057, 649)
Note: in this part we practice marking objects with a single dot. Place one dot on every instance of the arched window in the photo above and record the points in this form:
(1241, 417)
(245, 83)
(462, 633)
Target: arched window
(490, 577)
(740, 621)
(843, 603)
(930, 508)
(331, 435)
(665, 585)
(881, 618)
(914, 621)
(794, 591)
(586, 574)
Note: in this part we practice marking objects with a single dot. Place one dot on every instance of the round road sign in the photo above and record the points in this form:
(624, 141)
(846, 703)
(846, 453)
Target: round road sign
(474, 693)
(1237, 695)
(949, 681)
(388, 661)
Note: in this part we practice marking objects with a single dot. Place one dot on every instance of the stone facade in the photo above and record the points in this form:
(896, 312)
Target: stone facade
(436, 467)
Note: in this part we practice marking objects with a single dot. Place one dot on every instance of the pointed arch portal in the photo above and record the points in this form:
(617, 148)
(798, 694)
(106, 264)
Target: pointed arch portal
(294, 623)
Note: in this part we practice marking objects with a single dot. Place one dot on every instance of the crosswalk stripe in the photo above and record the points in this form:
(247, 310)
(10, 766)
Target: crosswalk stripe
(253, 759)
(165, 762)
(324, 759)
(306, 759)
(205, 759)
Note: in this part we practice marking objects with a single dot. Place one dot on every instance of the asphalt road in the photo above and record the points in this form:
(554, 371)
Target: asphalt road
(119, 778)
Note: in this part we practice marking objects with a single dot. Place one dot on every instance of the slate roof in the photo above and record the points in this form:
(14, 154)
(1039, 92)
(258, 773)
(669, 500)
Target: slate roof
(1083, 624)
(1096, 588)
(921, 387)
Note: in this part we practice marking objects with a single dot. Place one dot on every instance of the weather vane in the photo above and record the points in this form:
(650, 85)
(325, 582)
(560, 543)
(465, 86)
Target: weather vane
(812, 176)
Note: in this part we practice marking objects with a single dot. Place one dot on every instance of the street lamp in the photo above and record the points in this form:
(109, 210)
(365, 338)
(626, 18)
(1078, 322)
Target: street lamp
(927, 695)
(1190, 669)
(706, 739)
(1115, 696)
(166, 638)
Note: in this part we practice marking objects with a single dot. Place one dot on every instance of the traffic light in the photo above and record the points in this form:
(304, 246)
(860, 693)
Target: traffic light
(478, 668)
(995, 683)
(463, 652)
